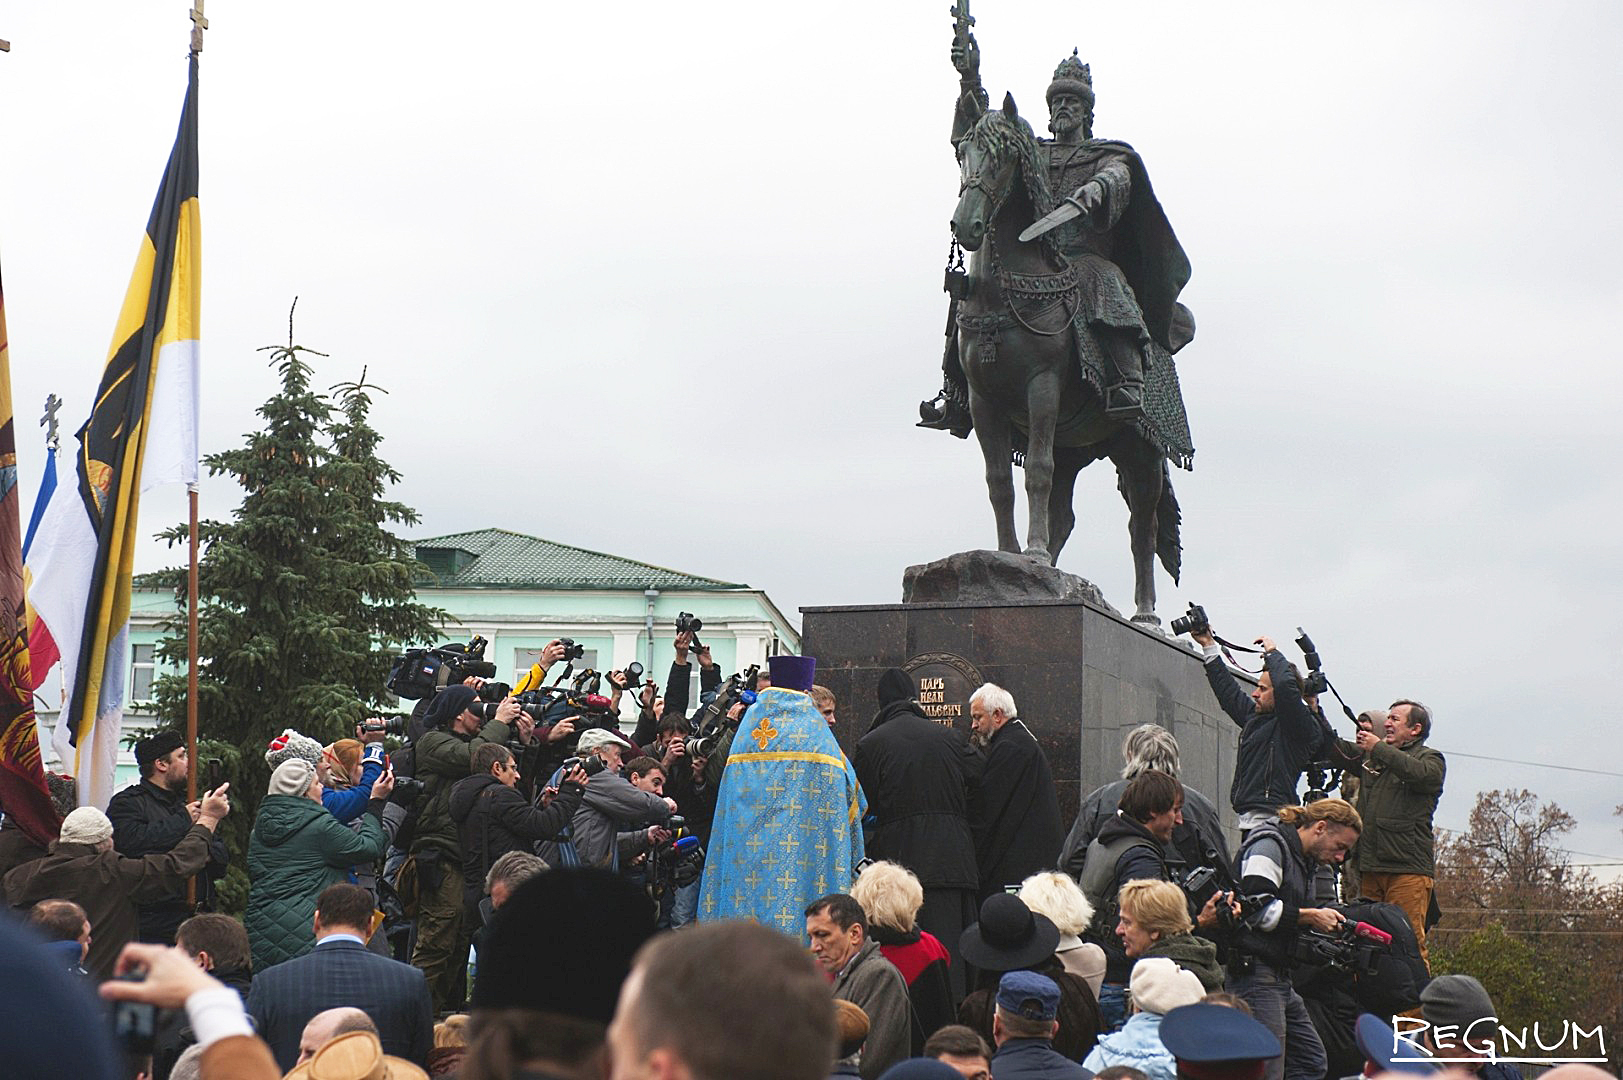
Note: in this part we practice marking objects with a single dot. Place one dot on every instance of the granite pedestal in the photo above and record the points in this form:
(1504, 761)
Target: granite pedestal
(1081, 676)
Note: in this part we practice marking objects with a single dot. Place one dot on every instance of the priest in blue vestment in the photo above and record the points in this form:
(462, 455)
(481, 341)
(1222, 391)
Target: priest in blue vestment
(788, 825)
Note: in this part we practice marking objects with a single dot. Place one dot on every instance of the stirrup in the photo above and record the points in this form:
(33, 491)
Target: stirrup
(1124, 401)
(942, 413)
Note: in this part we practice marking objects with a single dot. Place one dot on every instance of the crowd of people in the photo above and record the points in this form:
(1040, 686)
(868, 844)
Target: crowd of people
(571, 900)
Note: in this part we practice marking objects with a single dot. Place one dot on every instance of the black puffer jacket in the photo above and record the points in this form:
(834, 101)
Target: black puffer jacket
(1274, 746)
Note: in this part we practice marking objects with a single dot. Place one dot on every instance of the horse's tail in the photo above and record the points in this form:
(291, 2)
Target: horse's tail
(1167, 519)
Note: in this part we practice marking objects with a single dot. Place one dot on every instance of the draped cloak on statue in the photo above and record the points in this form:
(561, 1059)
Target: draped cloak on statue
(788, 826)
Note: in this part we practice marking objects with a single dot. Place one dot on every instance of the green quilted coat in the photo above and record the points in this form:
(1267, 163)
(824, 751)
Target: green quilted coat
(296, 850)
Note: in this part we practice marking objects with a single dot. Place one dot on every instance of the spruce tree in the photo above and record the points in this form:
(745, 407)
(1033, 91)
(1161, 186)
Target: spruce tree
(302, 593)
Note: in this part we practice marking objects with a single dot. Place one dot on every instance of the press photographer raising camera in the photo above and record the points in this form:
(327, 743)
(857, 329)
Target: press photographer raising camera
(1278, 734)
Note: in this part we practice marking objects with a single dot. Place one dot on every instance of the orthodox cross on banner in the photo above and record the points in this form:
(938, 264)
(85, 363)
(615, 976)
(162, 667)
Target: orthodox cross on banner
(49, 421)
(199, 24)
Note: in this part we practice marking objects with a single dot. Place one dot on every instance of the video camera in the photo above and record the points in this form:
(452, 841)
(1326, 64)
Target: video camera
(417, 673)
(1356, 947)
(710, 723)
(677, 861)
(389, 725)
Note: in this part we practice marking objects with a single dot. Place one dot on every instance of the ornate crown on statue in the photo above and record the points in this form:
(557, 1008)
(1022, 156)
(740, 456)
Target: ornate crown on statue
(1072, 77)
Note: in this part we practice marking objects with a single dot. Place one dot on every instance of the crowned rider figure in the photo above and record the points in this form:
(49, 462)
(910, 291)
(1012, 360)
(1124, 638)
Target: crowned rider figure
(1108, 225)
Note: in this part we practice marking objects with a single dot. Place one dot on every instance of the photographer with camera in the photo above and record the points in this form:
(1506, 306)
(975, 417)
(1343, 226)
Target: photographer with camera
(445, 756)
(677, 683)
(1402, 779)
(1132, 846)
(1276, 867)
(493, 817)
(1278, 734)
(617, 819)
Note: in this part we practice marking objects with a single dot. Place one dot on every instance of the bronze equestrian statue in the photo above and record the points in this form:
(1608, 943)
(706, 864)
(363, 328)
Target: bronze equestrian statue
(1062, 330)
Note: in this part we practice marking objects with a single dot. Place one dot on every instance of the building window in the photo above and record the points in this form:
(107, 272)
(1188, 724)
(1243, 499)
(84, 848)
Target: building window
(141, 667)
(524, 659)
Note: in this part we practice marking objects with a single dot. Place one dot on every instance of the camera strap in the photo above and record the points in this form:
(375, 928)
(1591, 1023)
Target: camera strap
(1230, 648)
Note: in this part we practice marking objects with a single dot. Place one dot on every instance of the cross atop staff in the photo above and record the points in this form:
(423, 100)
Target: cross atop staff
(49, 422)
(199, 24)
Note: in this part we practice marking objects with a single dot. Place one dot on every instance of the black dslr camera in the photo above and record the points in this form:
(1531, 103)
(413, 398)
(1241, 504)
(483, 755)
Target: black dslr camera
(1315, 682)
(572, 651)
(1193, 622)
(593, 765)
(417, 673)
(688, 623)
(710, 723)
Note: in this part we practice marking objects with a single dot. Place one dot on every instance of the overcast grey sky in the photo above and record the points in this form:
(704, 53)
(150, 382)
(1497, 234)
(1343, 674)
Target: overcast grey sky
(693, 250)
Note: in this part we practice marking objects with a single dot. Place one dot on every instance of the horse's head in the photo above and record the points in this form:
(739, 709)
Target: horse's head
(995, 152)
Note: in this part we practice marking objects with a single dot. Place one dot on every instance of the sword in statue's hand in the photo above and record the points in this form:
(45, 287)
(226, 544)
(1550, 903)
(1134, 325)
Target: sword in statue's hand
(1084, 200)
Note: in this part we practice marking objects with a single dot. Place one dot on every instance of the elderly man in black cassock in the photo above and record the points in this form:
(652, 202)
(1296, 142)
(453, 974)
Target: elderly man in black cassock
(1016, 819)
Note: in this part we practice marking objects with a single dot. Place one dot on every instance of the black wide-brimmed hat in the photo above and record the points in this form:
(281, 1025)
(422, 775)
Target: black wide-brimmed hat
(1009, 937)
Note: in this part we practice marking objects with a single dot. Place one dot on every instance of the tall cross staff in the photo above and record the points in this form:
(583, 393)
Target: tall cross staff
(199, 24)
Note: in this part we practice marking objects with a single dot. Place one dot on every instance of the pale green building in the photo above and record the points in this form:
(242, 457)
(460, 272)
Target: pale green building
(520, 592)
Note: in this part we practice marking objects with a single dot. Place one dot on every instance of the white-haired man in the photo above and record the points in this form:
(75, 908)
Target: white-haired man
(1148, 748)
(1015, 821)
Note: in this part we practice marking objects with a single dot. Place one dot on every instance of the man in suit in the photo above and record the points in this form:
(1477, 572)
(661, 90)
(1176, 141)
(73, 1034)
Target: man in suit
(340, 970)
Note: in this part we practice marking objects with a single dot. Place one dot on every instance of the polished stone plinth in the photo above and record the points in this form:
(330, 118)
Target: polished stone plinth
(1081, 675)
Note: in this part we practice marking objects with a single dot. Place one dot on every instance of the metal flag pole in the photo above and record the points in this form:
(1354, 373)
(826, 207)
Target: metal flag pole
(199, 24)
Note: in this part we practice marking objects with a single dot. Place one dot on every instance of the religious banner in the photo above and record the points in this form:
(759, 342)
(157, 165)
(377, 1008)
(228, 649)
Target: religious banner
(84, 552)
(23, 794)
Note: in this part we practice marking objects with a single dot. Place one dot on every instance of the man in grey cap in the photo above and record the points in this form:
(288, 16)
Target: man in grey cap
(1023, 1028)
(617, 821)
(84, 868)
(1462, 1004)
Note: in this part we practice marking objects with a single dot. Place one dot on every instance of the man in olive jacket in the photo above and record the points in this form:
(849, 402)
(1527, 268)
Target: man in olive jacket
(1401, 786)
(83, 867)
(444, 757)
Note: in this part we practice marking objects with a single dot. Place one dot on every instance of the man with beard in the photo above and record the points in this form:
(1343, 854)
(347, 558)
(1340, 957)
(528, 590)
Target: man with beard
(1016, 822)
(1108, 226)
(918, 775)
(150, 818)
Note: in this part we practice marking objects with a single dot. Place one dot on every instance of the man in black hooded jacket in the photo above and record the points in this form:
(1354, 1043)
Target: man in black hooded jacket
(918, 776)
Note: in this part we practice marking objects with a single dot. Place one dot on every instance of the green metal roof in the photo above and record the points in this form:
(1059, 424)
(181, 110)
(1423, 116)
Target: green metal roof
(496, 558)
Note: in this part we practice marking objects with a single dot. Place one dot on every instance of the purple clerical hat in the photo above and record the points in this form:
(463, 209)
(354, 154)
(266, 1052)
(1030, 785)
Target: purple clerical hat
(792, 672)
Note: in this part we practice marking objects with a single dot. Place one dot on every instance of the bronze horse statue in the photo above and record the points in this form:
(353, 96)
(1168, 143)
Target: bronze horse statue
(1030, 396)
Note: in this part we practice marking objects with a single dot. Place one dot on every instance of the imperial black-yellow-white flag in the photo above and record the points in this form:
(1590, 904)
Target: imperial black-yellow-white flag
(142, 431)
